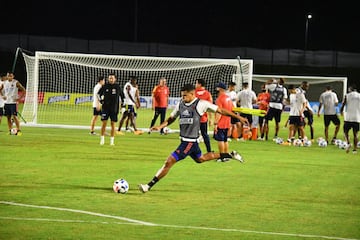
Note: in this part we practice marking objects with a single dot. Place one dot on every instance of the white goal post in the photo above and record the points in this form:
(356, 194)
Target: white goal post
(59, 85)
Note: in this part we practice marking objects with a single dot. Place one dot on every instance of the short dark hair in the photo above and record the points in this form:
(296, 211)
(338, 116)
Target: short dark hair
(100, 78)
(328, 87)
(2, 74)
(188, 87)
(201, 81)
(231, 83)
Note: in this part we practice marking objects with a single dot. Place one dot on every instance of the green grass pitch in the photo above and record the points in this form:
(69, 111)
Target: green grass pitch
(57, 184)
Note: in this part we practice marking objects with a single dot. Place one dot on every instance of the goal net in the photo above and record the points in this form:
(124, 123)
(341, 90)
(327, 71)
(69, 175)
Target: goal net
(317, 85)
(60, 85)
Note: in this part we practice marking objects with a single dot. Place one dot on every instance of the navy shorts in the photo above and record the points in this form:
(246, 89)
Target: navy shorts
(221, 135)
(96, 112)
(10, 109)
(351, 125)
(1, 111)
(247, 116)
(331, 118)
(296, 120)
(105, 115)
(185, 149)
(130, 109)
(273, 113)
(309, 117)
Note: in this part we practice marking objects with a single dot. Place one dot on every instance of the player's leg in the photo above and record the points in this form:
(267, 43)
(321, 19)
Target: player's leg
(182, 151)
(123, 118)
(347, 127)
(356, 128)
(155, 117)
(162, 118)
(205, 135)
(336, 121)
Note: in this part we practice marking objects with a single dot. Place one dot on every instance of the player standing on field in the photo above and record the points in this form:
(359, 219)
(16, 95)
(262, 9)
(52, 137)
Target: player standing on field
(96, 103)
(308, 112)
(246, 98)
(202, 93)
(235, 123)
(11, 89)
(263, 99)
(2, 94)
(189, 110)
(278, 94)
(351, 103)
(131, 101)
(160, 99)
(222, 122)
(109, 96)
(329, 100)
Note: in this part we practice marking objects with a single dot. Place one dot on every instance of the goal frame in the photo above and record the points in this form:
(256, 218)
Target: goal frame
(30, 109)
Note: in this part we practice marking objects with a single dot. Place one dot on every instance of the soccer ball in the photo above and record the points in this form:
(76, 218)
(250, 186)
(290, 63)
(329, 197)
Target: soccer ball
(320, 139)
(297, 143)
(13, 131)
(322, 144)
(166, 130)
(358, 144)
(279, 140)
(307, 143)
(343, 145)
(121, 186)
(337, 142)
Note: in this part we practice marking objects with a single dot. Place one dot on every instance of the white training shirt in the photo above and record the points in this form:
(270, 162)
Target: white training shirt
(233, 97)
(352, 113)
(329, 100)
(297, 101)
(96, 102)
(127, 99)
(11, 91)
(2, 101)
(246, 98)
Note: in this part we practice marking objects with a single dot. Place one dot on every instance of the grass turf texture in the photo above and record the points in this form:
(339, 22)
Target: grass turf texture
(279, 189)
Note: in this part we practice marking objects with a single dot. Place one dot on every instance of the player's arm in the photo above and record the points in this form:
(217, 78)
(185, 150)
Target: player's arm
(226, 112)
(22, 90)
(320, 105)
(343, 106)
(153, 97)
(128, 88)
(210, 117)
(137, 96)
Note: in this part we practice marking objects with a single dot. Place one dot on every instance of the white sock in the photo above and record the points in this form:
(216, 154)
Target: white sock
(111, 140)
(102, 139)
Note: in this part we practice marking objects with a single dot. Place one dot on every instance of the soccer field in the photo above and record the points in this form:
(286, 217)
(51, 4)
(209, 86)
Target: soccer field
(57, 184)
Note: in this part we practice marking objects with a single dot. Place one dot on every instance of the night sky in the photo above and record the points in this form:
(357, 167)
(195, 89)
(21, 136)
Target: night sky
(258, 23)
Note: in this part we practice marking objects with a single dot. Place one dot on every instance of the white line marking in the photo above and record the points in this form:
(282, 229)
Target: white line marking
(137, 222)
(79, 211)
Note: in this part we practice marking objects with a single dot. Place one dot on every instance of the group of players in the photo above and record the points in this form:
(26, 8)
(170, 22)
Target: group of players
(11, 91)
(108, 98)
(196, 102)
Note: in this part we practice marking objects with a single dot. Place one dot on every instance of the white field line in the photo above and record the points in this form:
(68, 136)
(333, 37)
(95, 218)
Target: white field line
(137, 222)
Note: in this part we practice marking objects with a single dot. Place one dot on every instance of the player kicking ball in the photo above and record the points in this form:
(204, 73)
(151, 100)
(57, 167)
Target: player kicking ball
(189, 110)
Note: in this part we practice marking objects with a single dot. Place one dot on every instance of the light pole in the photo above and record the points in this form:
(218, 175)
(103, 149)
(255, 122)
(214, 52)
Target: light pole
(308, 17)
